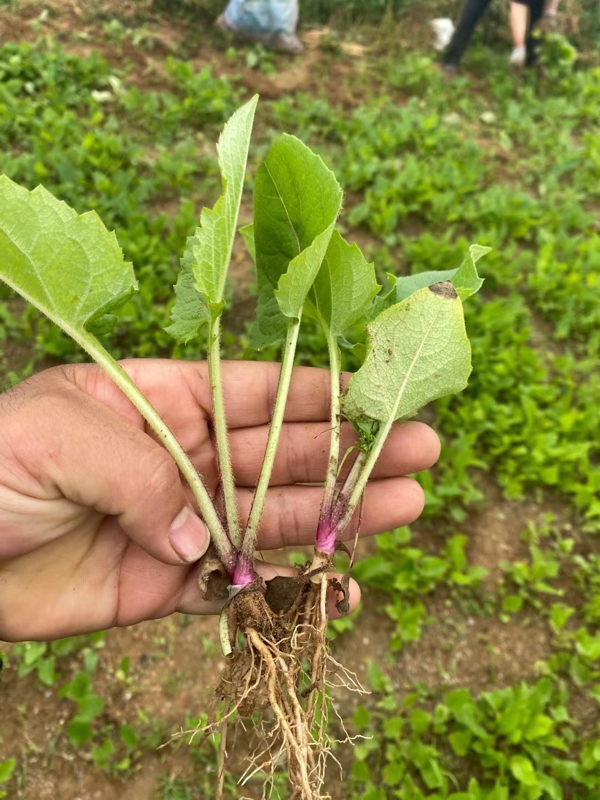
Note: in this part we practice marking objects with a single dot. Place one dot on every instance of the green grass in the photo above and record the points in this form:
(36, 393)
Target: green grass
(428, 169)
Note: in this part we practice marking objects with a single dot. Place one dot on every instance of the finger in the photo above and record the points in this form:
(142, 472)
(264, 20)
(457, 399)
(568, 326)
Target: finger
(291, 514)
(304, 449)
(73, 446)
(249, 388)
(192, 602)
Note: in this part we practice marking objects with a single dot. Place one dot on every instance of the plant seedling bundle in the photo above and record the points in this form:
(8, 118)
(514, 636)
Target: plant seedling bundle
(70, 267)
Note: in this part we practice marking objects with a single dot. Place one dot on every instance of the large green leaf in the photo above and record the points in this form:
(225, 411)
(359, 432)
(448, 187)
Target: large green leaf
(345, 286)
(68, 266)
(208, 252)
(296, 200)
(418, 352)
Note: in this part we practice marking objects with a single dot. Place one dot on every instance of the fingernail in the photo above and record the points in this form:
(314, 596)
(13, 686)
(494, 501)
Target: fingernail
(188, 536)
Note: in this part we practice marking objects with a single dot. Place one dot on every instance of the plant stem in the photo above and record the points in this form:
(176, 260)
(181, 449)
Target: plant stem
(351, 480)
(258, 502)
(220, 422)
(336, 424)
(225, 549)
(323, 541)
(359, 475)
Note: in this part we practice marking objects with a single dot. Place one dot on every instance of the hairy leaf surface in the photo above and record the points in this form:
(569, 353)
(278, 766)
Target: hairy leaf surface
(208, 252)
(189, 313)
(68, 266)
(418, 352)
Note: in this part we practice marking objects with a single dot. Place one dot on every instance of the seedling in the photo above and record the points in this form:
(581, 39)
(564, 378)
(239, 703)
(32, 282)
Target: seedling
(72, 269)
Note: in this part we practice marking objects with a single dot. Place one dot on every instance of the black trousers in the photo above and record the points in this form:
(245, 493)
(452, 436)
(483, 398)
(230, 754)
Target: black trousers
(470, 15)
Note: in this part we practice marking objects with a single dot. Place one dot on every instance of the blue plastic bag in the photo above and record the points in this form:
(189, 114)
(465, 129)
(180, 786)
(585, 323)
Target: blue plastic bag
(271, 22)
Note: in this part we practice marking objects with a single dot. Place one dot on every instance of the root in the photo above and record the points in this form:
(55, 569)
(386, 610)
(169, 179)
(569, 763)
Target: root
(291, 719)
(222, 756)
(284, 675)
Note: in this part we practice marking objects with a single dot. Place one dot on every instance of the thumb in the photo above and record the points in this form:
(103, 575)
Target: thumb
(75, 446)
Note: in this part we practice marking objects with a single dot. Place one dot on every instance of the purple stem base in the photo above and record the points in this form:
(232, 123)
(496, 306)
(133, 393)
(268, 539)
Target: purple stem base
(326, 537)
(243, 573)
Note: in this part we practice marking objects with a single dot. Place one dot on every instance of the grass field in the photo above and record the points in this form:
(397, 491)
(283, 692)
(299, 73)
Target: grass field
(478, 632)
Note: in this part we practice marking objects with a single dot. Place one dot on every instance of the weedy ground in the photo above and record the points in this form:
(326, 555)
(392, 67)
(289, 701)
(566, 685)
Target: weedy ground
(479, 631)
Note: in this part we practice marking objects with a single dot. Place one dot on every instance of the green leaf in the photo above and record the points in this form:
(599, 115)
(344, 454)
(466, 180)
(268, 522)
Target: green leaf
(68, 266)
(345, 286)
(393, 727)
(33, 652)
(420, 720)
(296, 199)
(77, 688)
(46, 671)
(6, 769)
(432, 774)
(128, 736)
(89, 708)
(465, 279)
(218, 225)
(419, 351)
(360, 771)
(189, 313)
(523, 770)
(409, 284)
(460, 741)
(79, 732)
(295, 284)
(393, 773)
(540, 726)
(551, 787)
(512, 603)
(200, 286)
(498, 792)
(362, 718)
(101, 754)
(247, 234)
(559, 616)
(455, 550)
(90, 660)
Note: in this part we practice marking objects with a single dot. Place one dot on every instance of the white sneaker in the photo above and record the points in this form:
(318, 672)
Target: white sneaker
(518, 57)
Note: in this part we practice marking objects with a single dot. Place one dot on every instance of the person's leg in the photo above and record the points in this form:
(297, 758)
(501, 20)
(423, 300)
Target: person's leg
(469, 17)
(536, 12)
(519, 17)
(519, 24)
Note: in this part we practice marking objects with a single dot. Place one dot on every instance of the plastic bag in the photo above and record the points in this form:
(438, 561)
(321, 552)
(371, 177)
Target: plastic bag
(270, 22)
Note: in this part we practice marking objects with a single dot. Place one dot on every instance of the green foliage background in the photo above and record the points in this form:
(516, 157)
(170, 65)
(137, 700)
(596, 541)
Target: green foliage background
(508, 162)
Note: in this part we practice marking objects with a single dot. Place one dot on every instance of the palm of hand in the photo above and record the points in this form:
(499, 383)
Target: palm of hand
(79, 472)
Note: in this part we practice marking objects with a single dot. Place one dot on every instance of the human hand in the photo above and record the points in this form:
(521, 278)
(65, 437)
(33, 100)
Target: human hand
(96, 526)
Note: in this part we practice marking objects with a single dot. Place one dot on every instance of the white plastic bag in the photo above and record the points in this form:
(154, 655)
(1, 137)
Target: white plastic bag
(270, 22)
